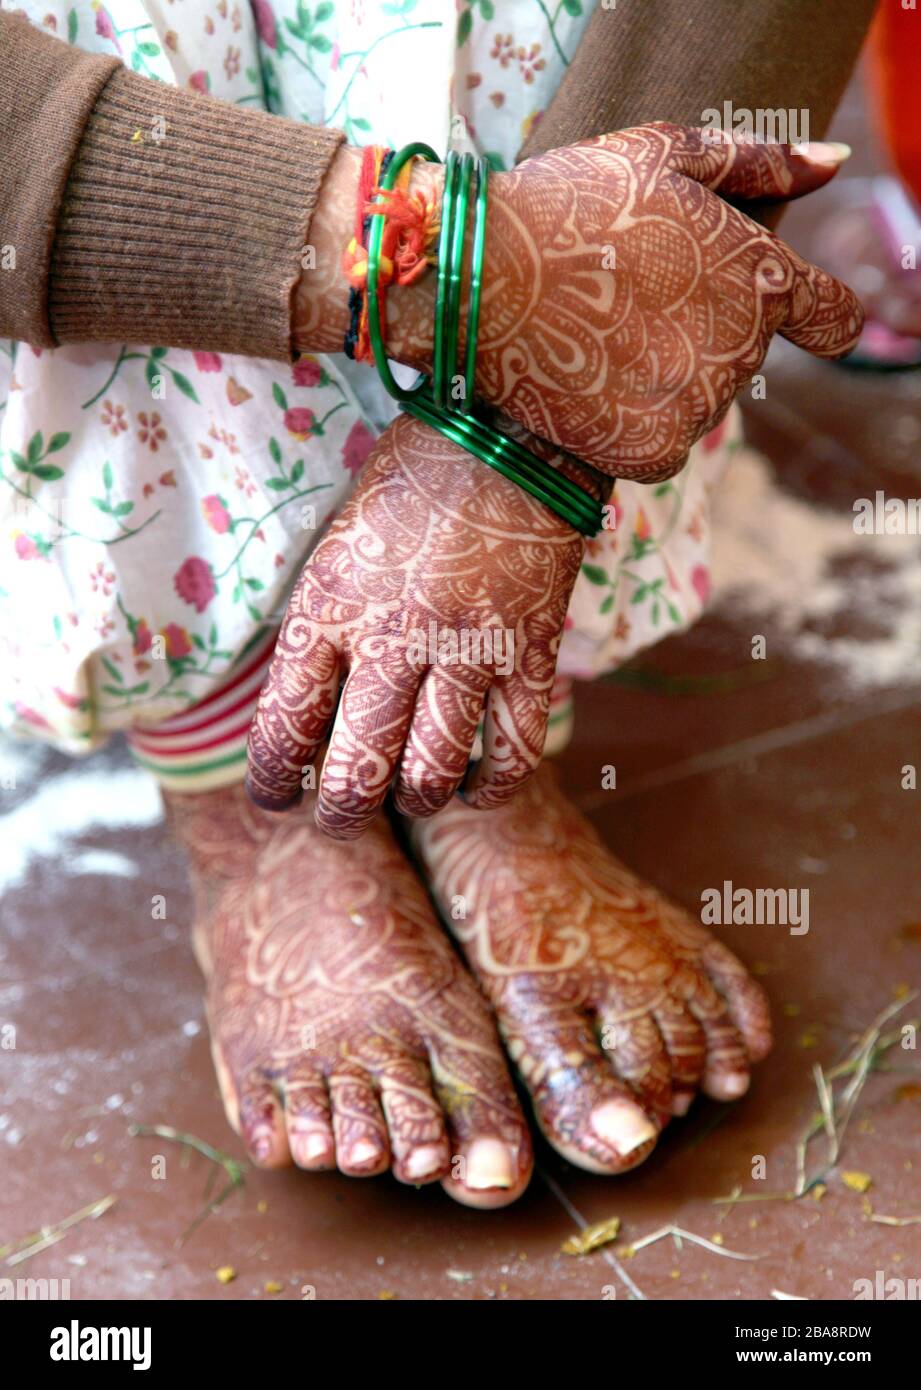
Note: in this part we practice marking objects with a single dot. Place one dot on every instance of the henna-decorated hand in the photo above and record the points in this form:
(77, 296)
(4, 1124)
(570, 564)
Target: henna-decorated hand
(627, 366)
(626, 301)
(434, 553)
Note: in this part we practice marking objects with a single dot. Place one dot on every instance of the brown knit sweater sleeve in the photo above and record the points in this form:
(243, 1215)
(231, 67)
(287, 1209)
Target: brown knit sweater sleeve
(675, 59)
(142, 213)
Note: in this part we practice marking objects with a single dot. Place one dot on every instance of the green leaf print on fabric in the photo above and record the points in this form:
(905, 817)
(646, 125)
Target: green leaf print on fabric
(32, 461)
(33, 465)
(153, 359)
(465, 19)
(572, 8)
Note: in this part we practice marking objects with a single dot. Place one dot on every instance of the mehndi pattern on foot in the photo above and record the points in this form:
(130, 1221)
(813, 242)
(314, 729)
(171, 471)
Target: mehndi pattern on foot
(615, 1006)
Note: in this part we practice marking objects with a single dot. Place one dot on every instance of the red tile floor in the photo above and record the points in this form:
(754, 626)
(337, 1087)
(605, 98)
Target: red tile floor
(781, 773)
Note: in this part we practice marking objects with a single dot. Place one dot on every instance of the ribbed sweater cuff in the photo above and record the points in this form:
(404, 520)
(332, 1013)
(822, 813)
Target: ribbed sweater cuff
(183, 222)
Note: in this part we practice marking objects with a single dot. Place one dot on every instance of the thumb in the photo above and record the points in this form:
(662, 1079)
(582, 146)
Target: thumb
(739, 167)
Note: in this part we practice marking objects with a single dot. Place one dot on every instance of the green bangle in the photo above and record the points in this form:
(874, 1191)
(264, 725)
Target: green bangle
(429, 400)
(439, 349)
(531, 473)
(455, 270)
(400, 393)
(579, 507)
(476, 282)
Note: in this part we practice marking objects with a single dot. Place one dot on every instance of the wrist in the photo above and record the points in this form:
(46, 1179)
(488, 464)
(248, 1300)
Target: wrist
(320, 317)
(320, 311)
(597, 485)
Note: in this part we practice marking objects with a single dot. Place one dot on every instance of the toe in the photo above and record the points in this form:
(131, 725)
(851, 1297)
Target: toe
(308, 1116)
(636, 1051)
(491, 1155)
(585, 1111)
(362, 1149)
(746, 1001)
(262, 1121)
(418, 1137)
(727, 1069)
(686, 1046)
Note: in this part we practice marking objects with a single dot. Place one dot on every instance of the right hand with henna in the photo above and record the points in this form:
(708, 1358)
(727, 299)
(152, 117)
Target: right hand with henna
(628, 366)
(431, 545)
(626, 299)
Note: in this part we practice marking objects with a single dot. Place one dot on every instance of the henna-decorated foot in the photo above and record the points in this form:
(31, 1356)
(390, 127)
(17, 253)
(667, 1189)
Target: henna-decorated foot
(614, 1004)
(345, 1030)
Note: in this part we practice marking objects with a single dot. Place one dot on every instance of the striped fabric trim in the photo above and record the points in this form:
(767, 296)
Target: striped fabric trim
(205, 747)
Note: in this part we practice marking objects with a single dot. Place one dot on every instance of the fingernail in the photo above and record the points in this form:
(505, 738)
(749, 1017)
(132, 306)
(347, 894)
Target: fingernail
(681, 1103)
(489, 1164)
(623, 1125)
(426, 1160)
(262, 1147)
(824, 151)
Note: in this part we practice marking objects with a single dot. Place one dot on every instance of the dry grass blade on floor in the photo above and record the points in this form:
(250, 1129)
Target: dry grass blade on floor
(231, 1166)
(679, 1234)
(27, 1246)
(836, 1108)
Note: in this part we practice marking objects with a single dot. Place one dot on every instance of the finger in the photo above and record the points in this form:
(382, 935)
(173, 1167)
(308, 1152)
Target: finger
(441, 738)
(293, 714)
(375, 713)
(824, 315)
(514, 731)
(736, 165)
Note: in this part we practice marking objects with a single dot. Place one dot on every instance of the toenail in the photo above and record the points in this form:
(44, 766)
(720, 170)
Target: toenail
(426, 1160)
(311, 1146)
(681, 1103)
(733, 1084)
(262, 1147)
(623, 1125)
(363, 1152)
(489, 1164)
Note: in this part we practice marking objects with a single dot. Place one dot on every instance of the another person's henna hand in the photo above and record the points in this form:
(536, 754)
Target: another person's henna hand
(433, 550)
(626, 300)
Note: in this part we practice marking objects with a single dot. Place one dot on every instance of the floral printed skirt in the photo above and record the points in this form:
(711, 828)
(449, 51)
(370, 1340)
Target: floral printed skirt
(156, 505)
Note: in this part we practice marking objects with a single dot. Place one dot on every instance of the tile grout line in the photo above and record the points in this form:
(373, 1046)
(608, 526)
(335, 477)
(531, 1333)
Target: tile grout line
(573, 1212)
(773, 741)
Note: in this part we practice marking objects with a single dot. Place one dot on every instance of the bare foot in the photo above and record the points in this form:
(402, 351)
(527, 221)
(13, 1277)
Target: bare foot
(344, 1028)
(614, 1004)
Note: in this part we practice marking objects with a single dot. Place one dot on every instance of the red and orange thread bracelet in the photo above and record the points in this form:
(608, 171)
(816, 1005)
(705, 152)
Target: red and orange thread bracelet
(408, 246)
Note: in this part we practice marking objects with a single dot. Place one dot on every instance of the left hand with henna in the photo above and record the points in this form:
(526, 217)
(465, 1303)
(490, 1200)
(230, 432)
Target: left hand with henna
(432, 543)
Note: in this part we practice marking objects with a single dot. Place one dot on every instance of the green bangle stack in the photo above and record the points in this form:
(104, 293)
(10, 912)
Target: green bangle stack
(434, 401)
